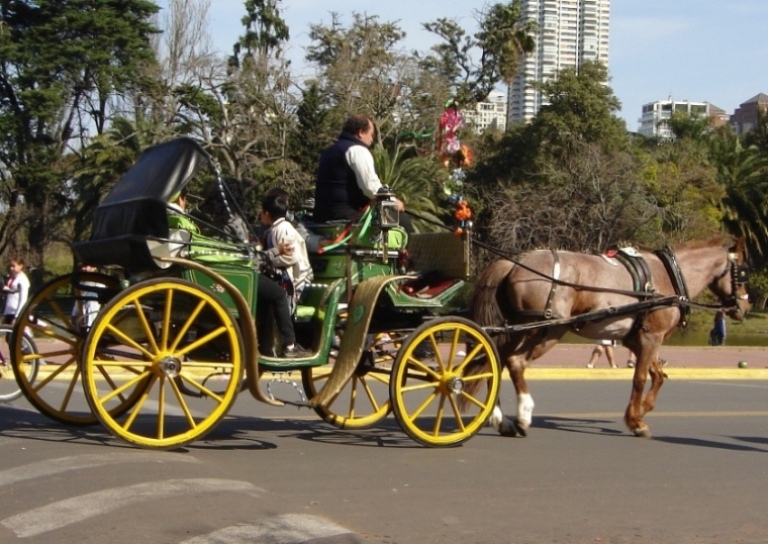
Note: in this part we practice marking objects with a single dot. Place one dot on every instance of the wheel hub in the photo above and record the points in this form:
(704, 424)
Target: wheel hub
(170, 366)
(456, 385)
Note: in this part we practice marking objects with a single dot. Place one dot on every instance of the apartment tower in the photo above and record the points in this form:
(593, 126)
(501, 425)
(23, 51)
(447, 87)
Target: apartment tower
(569, 32)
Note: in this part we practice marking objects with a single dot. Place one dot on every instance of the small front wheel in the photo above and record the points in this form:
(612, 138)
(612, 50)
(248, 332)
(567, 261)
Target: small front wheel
(445, 382)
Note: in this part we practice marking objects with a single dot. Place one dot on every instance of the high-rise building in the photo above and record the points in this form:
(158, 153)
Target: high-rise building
(656, 115)
(570, 32)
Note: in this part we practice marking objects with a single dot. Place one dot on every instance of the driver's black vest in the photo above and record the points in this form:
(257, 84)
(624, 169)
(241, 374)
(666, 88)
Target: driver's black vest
(337, 195)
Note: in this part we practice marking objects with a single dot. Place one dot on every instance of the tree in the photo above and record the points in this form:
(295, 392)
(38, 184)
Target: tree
(502, 42)
(581, 108)
(742, 174)
(62, 63)
(360, 70)
(570, 179)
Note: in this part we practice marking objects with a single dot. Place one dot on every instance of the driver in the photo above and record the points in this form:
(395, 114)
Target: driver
(346, 177)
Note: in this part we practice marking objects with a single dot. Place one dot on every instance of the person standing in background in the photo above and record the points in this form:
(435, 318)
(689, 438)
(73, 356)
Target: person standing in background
(603, 346)
(16, 290)
(717, 334)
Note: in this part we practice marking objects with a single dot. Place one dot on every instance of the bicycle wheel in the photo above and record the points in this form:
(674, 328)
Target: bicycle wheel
(9, 387)
(58, 392)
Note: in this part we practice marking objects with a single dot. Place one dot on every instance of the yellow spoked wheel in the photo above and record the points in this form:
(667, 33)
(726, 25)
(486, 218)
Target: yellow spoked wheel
(176, 346)
(54, 318)
(445, 382)
(364, 399)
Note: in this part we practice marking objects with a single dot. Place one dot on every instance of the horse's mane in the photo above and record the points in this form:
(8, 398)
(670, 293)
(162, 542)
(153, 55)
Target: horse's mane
(717, 240)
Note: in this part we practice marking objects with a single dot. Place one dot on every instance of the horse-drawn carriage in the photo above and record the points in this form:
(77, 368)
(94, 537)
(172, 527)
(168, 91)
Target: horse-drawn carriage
(164, 359)
(175, 340)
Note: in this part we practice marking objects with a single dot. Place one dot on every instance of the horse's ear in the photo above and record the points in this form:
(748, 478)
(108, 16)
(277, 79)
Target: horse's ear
(739, 248)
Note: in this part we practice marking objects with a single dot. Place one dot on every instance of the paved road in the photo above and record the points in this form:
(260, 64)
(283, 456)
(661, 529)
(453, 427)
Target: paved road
(279, 475)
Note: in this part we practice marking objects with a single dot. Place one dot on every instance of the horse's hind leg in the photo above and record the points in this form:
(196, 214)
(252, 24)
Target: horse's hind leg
(501, 423)
(525, 404)
(519, 426)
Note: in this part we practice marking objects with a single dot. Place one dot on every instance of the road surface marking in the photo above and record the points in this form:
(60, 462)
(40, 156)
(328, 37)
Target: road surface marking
(286, 529)
(74, 510)
(50, 467)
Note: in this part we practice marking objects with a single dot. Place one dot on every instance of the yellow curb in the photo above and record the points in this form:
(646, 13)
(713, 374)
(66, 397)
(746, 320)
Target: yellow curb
(627, 373)
(563, 374)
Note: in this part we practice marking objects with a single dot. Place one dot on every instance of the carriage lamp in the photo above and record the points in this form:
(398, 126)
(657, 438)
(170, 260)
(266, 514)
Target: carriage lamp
(387, 213)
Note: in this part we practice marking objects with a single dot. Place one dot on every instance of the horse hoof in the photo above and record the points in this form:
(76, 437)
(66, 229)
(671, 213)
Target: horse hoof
(521, 429)
(507, 429)
(643, 432)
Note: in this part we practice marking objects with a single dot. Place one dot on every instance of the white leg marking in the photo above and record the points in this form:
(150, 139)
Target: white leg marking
(496, 418)
(525, 409)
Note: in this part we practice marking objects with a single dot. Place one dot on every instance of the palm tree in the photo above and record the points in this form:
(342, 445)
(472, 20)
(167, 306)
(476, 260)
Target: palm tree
(416, 179)
(742, 173)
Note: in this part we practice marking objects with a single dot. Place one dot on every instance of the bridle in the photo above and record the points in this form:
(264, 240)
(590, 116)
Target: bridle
(739, 276)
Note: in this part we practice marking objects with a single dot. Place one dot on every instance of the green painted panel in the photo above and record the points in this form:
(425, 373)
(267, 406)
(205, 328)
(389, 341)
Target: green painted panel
(244, 280)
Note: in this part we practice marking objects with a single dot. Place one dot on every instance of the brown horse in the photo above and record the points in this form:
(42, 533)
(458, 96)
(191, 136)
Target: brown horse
(596, 297)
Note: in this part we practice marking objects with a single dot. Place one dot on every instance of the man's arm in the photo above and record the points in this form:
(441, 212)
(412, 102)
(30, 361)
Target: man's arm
(361, 162)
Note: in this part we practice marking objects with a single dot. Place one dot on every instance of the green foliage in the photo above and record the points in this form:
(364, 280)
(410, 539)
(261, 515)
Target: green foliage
(310, 136)
(63, 63)
(416, 181)
(581, 108)
(500, 45)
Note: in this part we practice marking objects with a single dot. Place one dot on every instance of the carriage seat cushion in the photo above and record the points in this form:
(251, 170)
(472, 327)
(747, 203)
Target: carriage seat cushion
(129, 252)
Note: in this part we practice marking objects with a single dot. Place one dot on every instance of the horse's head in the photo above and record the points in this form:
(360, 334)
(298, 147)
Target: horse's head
(731, 285)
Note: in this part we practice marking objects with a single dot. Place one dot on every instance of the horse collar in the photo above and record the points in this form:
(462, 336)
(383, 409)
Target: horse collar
(668, 259)
(638, 269)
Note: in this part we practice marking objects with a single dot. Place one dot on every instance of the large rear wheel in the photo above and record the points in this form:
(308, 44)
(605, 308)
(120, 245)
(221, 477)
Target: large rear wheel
(58, 331)
(445, 382)
(176, 346)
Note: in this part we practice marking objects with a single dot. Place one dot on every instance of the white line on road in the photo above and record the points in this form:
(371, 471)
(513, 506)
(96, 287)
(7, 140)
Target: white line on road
(65, 464)
(62, 513)
(286, 529)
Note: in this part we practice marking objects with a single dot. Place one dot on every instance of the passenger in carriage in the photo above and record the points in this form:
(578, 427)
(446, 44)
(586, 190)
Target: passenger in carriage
(346, 176)
(312, 240)
(285, 248)
(270, 296)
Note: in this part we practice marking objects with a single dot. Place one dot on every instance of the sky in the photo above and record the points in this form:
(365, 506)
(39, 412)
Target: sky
(698, 50)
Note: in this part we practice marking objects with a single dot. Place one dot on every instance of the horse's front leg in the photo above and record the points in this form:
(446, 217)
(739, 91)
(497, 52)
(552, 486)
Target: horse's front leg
(633, 417)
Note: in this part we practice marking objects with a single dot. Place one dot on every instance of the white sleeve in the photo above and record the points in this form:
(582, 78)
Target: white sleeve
(361, 162)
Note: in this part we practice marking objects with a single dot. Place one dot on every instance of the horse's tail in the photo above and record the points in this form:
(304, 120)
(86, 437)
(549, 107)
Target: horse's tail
(484, 307)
